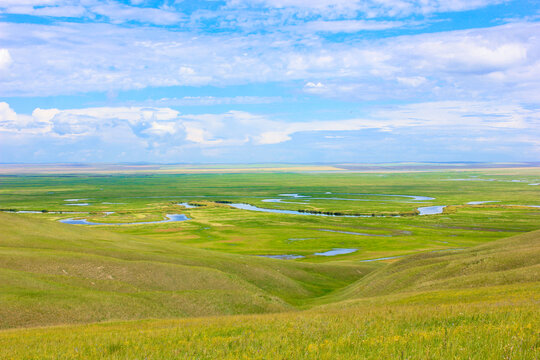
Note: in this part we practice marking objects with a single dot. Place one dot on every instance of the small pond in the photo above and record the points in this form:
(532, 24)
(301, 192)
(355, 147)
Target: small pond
(332, 252)
(431, 210)
(335, 252)
(186, 205)
(170, 218)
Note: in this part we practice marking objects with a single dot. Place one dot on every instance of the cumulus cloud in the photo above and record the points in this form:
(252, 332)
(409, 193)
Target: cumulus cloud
(7, 113)
(135, 133)
(239, 127)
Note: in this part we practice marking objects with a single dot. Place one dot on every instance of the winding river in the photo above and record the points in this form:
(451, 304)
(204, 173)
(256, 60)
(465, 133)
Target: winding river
(243, 206)
(423, 210)
(426, 210)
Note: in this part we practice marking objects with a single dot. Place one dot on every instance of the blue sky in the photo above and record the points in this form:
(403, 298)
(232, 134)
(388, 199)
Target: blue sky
(269, 81)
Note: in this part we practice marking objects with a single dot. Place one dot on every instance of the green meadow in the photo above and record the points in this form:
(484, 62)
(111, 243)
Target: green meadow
(463, 283)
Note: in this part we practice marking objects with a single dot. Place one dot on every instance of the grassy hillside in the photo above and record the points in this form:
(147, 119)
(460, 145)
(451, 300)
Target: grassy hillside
(421, 307)
(507, 261)
(52, 273)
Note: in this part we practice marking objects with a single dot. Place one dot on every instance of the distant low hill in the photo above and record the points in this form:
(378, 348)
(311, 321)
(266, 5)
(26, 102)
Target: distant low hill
(97, 169)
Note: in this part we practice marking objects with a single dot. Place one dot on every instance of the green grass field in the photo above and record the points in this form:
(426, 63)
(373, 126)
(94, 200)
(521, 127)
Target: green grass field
(461, 284)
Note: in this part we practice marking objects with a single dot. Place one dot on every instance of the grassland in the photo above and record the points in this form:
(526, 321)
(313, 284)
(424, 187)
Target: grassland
(464, 283)
(492, 316)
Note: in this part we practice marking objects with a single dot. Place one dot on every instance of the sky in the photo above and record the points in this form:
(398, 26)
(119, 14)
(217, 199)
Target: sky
(253, 81)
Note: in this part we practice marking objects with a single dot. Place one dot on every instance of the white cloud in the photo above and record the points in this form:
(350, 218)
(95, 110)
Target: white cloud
(7, 113)
(350, 26)
(463, 114)
(471, 53)
(274, 137)
(370, 8)
(243, 13)
(68, 58)
(9, 3)
(163, 134)
(200, 136)
(162, 128)
(413, 81)
(10, 121)
(235, 128)
(313, 85)
(58, 11)
(119, 13)
(116, 12)
(54, 8)
(44, 115)
(5, 59)
(132, 115)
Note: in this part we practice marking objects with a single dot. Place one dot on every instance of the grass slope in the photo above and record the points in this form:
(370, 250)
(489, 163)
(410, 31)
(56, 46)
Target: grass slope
(507, 261)
(476, 304)
(52, 273)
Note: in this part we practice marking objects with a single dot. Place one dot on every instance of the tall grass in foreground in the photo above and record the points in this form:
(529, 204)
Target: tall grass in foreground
(498, 329)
